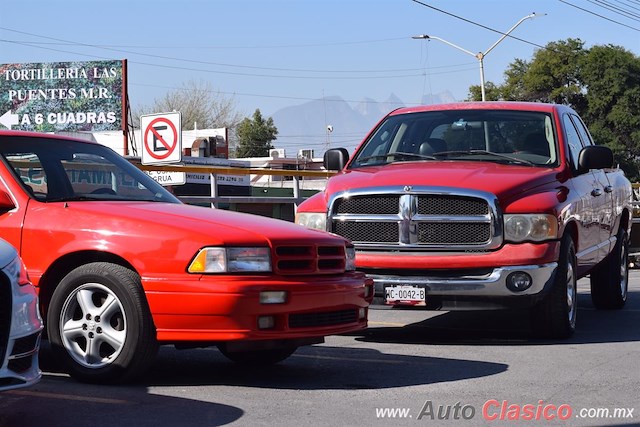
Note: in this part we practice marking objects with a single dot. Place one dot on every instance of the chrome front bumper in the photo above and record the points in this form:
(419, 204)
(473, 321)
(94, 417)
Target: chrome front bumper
(490, 285)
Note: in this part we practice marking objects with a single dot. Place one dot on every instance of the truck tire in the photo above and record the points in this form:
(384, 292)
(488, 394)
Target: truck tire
(99, 324)
(258, 357)
(610, 280)
(555, 316)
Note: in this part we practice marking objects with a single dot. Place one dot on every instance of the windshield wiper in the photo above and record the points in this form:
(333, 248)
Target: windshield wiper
(398, 154)
(73, 199)
(500, 156)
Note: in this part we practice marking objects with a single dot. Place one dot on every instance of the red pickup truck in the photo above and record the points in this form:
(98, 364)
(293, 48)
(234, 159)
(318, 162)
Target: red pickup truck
(122, 266)
(481, 206)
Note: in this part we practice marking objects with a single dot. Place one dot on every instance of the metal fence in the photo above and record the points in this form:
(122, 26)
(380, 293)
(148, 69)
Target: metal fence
(213, 171)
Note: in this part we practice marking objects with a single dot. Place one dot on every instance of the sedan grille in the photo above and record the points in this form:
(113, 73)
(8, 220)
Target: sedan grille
(309, 320)
(310, 259)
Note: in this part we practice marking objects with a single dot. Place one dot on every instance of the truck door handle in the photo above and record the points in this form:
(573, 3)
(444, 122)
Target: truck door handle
(608, 189)
(596, 192)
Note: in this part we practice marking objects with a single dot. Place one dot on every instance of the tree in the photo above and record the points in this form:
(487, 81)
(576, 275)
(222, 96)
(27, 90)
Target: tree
(198, 104)
(601, 83)
(491, 92)
(612, 76)
(255, 136)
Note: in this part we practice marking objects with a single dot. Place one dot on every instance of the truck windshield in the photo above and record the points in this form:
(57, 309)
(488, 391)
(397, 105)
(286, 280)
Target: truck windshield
(500, 136)
(65, 170)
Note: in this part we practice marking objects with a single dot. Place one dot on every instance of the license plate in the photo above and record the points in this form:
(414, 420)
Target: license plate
(409, 295)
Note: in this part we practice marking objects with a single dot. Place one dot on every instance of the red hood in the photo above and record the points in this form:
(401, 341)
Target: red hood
(181, 228)
(502, 180)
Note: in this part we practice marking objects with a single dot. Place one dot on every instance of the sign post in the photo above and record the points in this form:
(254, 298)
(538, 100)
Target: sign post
(162, 143)
(161, 138)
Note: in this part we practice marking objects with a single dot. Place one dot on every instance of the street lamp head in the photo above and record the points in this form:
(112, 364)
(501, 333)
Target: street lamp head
(421, 36)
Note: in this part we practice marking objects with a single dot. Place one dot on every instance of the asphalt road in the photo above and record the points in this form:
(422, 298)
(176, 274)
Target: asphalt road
(409, 368)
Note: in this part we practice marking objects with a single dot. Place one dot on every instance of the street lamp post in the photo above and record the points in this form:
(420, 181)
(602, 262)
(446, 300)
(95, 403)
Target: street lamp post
(480, 55)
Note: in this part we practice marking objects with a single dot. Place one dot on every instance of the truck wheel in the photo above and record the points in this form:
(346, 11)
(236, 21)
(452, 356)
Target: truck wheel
(610, 281)
(555, 316)
(99, 324)
(258, 357)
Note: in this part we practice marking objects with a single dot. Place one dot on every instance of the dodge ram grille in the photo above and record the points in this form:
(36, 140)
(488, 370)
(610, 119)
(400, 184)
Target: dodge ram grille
(410, 219)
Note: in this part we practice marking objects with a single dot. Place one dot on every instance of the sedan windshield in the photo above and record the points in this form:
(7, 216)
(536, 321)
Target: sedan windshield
(499, 136)
(66, 170)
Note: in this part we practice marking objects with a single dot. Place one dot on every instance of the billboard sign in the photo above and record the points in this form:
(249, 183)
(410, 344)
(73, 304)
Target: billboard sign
(62, 96)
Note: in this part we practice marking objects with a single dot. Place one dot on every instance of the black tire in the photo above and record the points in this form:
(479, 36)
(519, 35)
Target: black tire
(99, 324)
(555, 316)
(610, 280)
(258, 357)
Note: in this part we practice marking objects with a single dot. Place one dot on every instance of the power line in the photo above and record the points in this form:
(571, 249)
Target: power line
(476, 24)
(598, 15)
(617, 10)
(163, 57)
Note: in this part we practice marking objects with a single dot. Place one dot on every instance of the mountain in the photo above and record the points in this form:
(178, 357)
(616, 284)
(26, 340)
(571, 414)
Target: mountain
(305, 126)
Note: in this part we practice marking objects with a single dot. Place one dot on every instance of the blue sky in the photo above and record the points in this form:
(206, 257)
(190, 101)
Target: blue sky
(269, 54)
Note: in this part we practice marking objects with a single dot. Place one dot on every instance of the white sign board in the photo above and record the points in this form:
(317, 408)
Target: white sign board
(168, 178)
(205, 178)
(161, 138)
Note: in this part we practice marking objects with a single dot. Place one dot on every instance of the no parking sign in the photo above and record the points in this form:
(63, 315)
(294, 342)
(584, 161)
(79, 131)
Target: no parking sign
(161, 138)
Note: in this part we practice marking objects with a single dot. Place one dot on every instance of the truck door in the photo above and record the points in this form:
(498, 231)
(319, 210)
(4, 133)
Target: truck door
(584, 202)
(603, 191)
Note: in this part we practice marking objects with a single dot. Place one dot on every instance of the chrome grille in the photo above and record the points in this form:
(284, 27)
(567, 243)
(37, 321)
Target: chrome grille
(453, 233)
(368, 205)
(451, 205)
(411, 218)
(387, 232)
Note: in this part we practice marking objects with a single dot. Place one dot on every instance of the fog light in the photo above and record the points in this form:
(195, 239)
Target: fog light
(519, 281)
(273, 297)
(362, 313)
(266, 322)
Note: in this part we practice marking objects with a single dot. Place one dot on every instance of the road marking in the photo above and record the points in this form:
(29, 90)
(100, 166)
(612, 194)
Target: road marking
(68, 397)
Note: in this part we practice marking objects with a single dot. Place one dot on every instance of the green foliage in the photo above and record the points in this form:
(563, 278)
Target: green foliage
(601, 83)
(255, 136)
(491, 92)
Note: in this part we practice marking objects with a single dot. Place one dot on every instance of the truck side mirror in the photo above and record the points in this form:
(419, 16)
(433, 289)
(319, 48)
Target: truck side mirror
(335, 159)
(595, 157)
(6, 203)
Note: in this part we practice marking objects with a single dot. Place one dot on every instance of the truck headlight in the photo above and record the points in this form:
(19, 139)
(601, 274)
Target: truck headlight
(231, 260)
(314, 220)
(532, 227)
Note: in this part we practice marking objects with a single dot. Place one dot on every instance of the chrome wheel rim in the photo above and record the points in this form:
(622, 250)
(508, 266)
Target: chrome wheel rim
(571, 295)
(93, 325)
(624, 273)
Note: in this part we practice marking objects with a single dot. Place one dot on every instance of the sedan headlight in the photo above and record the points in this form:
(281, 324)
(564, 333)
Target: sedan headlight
(350, 253)
(231, 260)
(313, 220)
(532, 227)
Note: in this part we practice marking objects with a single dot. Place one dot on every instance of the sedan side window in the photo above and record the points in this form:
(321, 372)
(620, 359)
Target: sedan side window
(29, 168)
